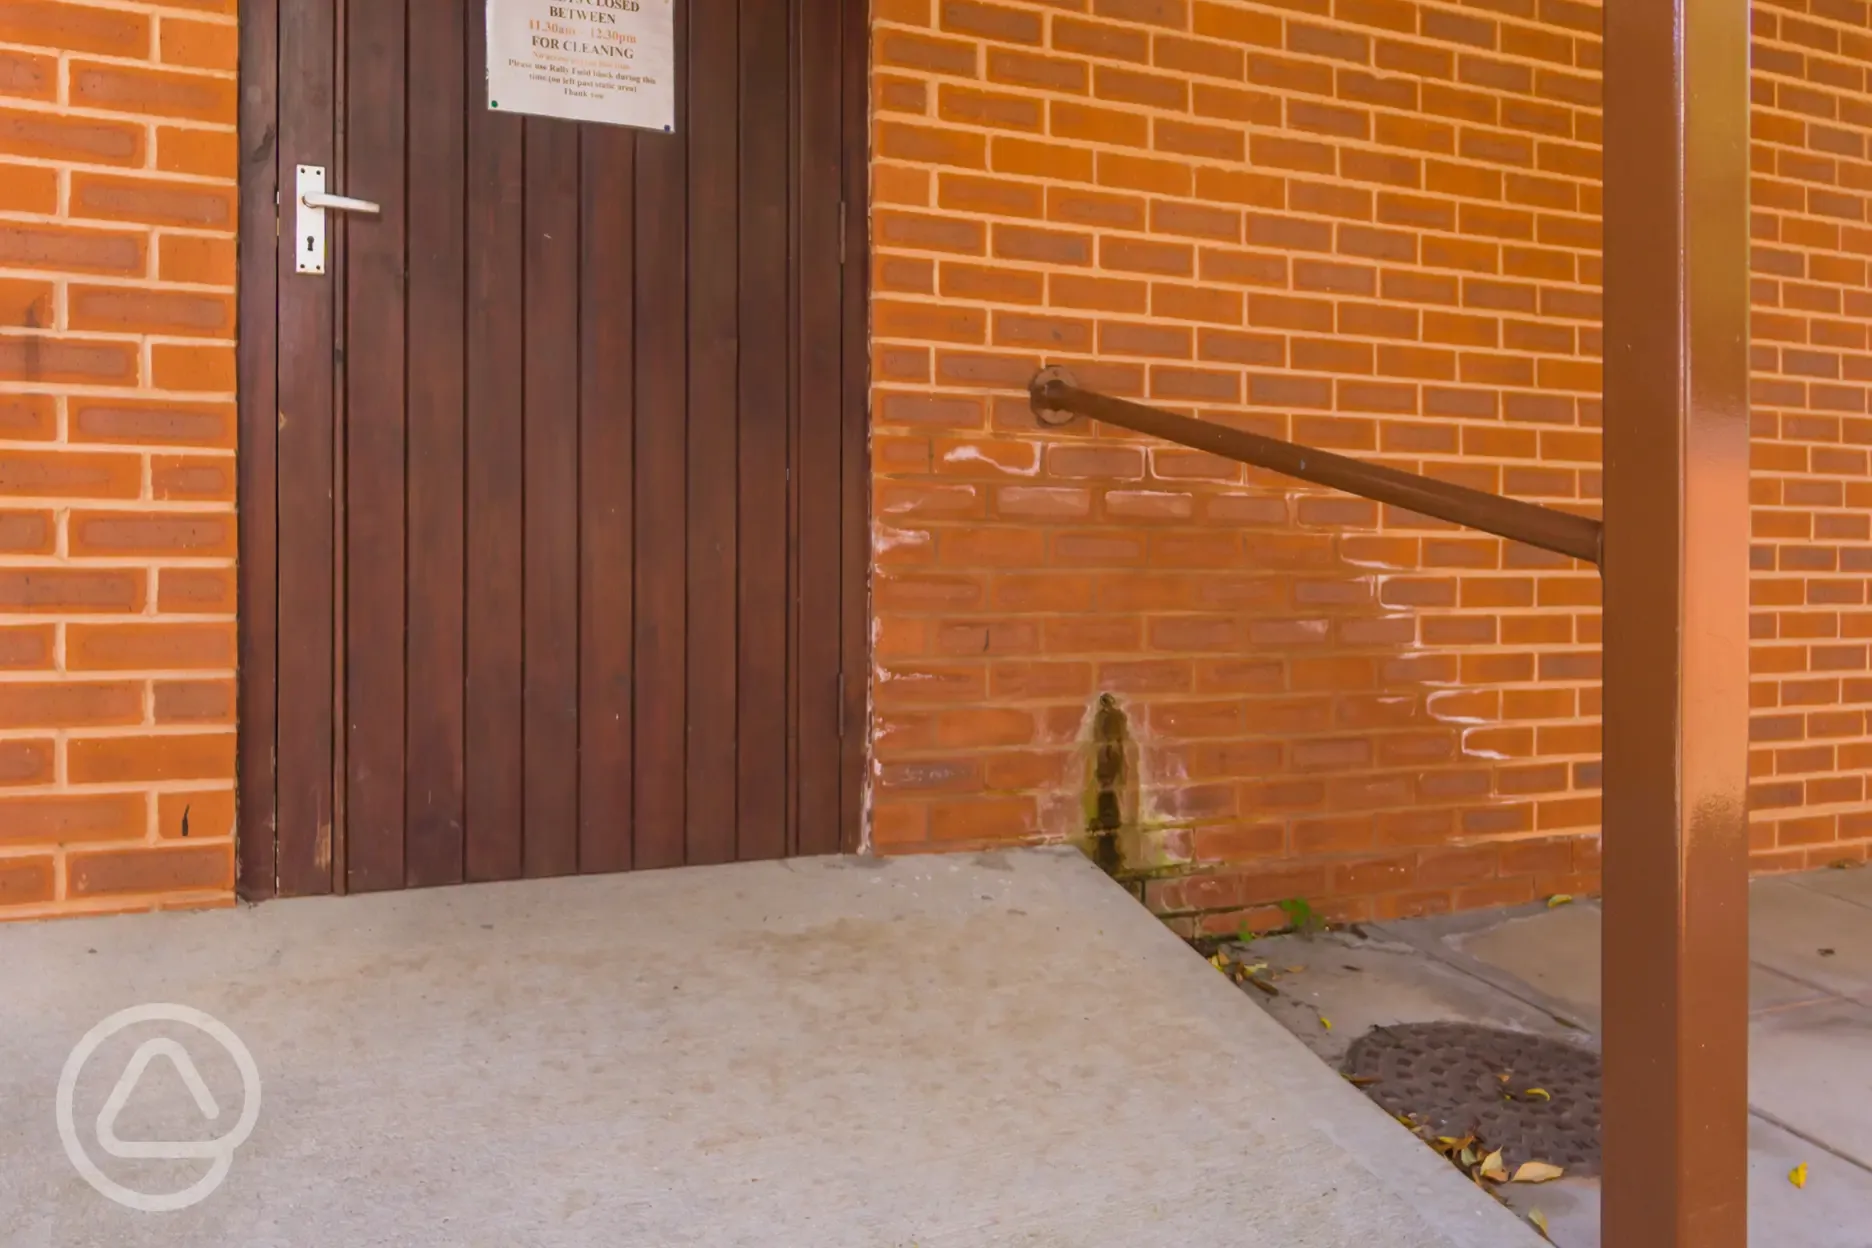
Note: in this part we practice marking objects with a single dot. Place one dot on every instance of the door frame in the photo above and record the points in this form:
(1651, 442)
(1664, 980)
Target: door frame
(261, 188)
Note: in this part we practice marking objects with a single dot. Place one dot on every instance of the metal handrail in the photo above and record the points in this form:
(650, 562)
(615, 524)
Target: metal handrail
(1053, 391)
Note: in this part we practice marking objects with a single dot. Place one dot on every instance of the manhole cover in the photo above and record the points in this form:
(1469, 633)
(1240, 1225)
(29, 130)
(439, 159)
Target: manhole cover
(1449, 1078)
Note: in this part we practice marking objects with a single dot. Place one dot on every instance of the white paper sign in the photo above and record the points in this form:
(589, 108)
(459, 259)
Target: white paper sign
(584, 60)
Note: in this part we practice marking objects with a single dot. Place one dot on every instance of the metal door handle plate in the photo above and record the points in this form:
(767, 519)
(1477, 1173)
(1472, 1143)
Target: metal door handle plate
(311, 203)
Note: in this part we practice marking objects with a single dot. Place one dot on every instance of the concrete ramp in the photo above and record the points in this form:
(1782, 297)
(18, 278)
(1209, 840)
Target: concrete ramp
(826, 1053)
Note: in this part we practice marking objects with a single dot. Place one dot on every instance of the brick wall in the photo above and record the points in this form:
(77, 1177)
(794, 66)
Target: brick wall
(117, 530)
(1812, 492)
(1369, 225)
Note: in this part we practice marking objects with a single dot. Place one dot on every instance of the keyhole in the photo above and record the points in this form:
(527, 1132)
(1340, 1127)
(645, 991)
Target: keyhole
(309, 244)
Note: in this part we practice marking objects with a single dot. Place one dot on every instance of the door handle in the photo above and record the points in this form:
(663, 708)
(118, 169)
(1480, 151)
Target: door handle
(339, 203)
(312, 203)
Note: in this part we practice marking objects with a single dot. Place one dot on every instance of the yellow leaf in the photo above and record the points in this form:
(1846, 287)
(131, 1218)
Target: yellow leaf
(1468, 1157)
(1535, 1172)
(1539, 1220)
(1492, 1167)
(1539, 1094)
(1326, 1022)
(1295, 970)
(1219, 962)
(1559, 899)
(1798, 1175)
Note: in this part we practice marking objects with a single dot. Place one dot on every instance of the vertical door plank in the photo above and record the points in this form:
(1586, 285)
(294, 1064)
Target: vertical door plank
(819, 484)
(605, 412)
(305, 493)
(552, 504)
(437, 141)
(373, 445)
(495, 458)
(765, 414)
(714, 70)
(661, 495)
(258, 583)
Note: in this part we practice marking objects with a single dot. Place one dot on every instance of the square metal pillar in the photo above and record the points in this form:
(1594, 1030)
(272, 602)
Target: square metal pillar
(1676, 623)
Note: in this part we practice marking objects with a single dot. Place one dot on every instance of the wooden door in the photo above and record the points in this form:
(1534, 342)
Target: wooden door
(552, 487)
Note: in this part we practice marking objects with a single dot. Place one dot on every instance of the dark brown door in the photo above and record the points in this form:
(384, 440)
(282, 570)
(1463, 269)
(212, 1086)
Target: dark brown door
(552, 491)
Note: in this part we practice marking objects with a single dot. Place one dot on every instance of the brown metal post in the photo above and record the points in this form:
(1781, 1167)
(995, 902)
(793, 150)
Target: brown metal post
(1676, 630)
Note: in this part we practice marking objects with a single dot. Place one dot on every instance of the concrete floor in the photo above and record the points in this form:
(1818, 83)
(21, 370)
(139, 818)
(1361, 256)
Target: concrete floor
(992, 1050)
(1537, 969)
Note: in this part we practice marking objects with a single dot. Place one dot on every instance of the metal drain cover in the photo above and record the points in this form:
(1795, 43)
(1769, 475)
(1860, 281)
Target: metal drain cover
(1448, 1078)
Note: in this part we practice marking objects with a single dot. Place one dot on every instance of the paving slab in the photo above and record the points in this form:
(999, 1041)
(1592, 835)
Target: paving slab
(1830, 1212)
(1357, 983)
(1853, 885)
(947, 1052)
(1554, 950)
(1811, 1069)
(1812, 936)
(1556, 953)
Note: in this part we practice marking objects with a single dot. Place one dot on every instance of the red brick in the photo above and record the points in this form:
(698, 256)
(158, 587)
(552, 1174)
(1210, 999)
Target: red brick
(193, 369)
(195, 591)
(149, 647)
(210, 153)
(27, 75)
(194, 702)
(69, 704)
(65, 819)
(26, 761)
(190, 869)
(71, 590)
(47, 135)
(122, 760)
(173, 534)
(28, 188)
(67, 474)
(152, 92)
(136, 310)
(26, 881)
(198, 814)
(203, 45)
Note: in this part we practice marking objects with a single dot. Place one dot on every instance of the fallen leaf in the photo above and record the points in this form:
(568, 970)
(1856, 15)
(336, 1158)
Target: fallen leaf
(1539, 1220)
(1218, 961)
(1559, 899)
(1468, 1156)
(1363, 1081)
(1325, 1022)
(1503, 1076)
(1538, 1094)
(1295, 970)
(1535, 1172)
(1827, 953)
(1798, 1175)
(1492, 1167)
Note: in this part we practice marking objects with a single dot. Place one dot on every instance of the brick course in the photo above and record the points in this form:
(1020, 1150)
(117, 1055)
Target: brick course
(1372, 226)
(117, 527)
